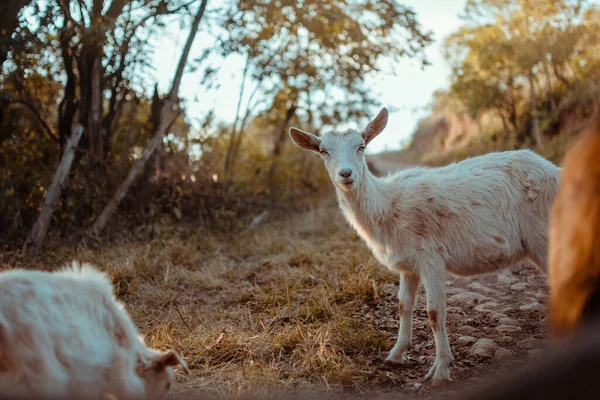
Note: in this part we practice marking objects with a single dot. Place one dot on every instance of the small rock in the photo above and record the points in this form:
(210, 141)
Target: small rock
(519, 286)
(502, 355)
(489, 307)
(484, 289)
(535, 306)
(484, 348)
(529, 343)
(535, 353)
(507, 329)
(466, 330)
(450, 318)
(470, 298)
(508, 321)
(465, 340)
(506, 277)
(455, 290)
(497, 316)
(514, 364)
(505, 339)
(454, 310)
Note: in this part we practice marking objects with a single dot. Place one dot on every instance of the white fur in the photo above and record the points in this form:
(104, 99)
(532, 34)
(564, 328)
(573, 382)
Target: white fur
(63, 335)
(477, 216)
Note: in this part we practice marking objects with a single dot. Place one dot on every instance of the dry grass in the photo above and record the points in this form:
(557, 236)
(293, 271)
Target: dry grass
(277, 308)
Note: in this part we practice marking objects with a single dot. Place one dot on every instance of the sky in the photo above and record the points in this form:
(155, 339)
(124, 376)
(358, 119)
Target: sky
(407, 92)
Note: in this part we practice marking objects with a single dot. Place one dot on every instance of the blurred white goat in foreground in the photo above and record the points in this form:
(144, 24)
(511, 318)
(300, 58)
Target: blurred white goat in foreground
(63, 335)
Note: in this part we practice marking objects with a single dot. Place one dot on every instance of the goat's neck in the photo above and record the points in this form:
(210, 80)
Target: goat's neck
(368, 202)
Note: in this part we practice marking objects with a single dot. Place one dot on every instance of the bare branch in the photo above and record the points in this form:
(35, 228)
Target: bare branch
(38, 118)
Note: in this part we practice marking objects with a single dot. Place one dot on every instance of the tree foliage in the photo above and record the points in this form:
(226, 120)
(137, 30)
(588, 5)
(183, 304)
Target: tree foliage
(89, 62)
(518, 59)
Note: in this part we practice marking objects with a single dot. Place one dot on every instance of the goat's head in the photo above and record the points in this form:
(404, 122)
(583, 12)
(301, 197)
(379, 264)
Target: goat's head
(343, 152)
(156, 370)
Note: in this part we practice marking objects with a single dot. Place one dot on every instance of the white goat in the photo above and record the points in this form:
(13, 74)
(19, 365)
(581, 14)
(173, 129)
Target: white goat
(477, 216)
(63, 335)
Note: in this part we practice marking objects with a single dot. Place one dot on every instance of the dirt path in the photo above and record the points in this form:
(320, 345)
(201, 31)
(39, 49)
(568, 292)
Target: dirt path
(494, 321)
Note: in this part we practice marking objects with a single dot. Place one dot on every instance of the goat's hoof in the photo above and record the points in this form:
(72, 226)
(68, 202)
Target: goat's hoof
(397, 361)
(438, 383)
(439, 372)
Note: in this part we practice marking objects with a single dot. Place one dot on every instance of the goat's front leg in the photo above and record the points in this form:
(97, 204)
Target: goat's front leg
(434, 281)
(409, 283)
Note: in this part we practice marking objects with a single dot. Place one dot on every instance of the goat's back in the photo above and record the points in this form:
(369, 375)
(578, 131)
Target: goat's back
(489, 211)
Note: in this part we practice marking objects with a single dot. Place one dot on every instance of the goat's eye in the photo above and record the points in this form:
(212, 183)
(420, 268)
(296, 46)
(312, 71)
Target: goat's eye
(323, 152)
(361, 147)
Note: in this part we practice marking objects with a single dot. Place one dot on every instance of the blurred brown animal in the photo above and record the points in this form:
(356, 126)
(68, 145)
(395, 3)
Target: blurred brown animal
(574, 255)
(566, 372)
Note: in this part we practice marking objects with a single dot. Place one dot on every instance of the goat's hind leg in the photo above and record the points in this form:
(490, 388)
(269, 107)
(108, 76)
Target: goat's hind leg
(409, 283)
(434, 280)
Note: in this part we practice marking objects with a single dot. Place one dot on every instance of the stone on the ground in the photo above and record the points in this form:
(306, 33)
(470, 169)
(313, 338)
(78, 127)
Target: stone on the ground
(507, 329)
(450, 318)
(490, 307)
(482, 288)
(535, 306)
(455, 290)
(505, 339)
(535, 353)
(508, 321)
(529, 343)
(519, 286)
(506, 277)
(514, 364)
(502, 355)
(484, 348)
(466, 330)
(468, 298)
(465, 340)
(496, 316)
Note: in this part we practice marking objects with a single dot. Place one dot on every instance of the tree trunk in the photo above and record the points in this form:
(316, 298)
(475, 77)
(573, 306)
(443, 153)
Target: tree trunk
(127, 146)
(166, 113)
(504, 125)
(236, 146)
(535, 120)
(549, 94)
(96, 111)
(155, 110)
(232, 139)
(280, 140)
(68, 104)
(560, 75)
(36, 237)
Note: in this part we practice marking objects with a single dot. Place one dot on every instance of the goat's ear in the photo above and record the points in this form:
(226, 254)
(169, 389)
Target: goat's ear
(168, 359)
(375, 127)
(305, 140)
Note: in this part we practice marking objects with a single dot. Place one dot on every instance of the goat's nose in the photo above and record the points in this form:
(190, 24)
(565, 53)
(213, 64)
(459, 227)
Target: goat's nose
(345, 173)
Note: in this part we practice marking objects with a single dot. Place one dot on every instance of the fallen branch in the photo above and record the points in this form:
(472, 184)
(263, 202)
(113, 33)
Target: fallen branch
(36, 237)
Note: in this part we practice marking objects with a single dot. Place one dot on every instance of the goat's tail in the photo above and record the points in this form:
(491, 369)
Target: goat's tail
(574, 257)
